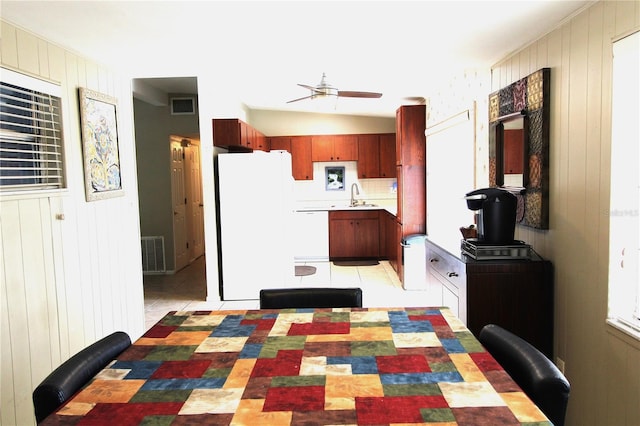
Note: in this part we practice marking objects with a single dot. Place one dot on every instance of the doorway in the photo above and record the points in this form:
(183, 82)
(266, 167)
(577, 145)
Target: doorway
(169, 173)
(186, 190)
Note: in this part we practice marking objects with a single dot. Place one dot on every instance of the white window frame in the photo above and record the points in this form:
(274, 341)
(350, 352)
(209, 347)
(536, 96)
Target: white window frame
(47, 146)
(624, 217)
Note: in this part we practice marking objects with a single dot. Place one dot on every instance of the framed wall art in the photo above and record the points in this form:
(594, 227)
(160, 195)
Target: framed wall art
(334, 178)
(98, 118)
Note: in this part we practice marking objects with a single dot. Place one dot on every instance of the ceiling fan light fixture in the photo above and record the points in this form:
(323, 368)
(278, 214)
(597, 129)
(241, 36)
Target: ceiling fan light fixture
(326, 91)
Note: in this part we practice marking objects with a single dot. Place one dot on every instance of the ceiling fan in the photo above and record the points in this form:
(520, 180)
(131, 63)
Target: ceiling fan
(325, 89)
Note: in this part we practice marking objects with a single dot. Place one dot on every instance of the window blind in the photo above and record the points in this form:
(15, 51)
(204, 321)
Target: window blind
(31, 156)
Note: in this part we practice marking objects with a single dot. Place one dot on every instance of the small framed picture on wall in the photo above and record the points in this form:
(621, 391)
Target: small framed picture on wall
(334, 178)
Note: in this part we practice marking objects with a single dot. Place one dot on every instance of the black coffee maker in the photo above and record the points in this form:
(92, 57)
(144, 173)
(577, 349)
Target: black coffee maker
(496, 215)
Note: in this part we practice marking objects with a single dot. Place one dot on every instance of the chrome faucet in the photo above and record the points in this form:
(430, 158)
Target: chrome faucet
(353, 199)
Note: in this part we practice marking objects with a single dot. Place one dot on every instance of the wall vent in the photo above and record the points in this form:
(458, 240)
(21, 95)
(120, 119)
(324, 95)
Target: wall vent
(183, 106)
(153, 260)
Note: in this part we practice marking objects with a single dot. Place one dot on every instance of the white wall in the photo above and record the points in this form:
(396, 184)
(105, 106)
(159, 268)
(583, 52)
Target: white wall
(602, 364)
(282, 123)
(65, 283)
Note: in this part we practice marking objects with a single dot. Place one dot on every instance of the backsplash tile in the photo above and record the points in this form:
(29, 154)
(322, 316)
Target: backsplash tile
(379, 191)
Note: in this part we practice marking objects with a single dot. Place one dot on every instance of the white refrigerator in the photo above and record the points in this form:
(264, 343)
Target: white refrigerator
(255, 217)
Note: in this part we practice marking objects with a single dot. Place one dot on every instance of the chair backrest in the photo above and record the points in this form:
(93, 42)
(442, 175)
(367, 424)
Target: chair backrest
(281, 298)
(75, 372)
(538, 377)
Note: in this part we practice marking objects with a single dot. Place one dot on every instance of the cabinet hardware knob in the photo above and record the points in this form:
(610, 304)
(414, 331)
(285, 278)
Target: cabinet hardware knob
(452, 274)
(433, 260)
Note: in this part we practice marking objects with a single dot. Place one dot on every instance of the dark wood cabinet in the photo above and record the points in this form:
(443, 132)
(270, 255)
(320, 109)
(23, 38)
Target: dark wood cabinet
(410, 138)
(334, 148)
(387, 155)
(300, 149)
(280, 143)
(514, 294)
(354, 234)
(389, 249)
(301, 158)
(368, 156)
(232, 133)
(376, 156)
(410, 173)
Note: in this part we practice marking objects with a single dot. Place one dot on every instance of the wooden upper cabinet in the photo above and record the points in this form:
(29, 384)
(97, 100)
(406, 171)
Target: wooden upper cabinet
(234, 133)
(334, 148)
(410, 138)
(345, 147)
(377, 156)
(226, 132)
(387, 155)
(261, 142)
(280, 143)
(322, 148)
(368, 156)
(245, 134)
(301, 162)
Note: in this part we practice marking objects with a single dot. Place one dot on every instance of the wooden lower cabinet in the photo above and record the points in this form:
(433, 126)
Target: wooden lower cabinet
(514, 294)
(354, 234)
(388, 247)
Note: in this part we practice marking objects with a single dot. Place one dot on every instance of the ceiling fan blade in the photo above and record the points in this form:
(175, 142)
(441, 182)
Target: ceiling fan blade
(353, 94)
(314, 89)
(299, 99)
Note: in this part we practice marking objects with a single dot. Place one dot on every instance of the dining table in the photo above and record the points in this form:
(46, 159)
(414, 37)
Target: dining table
(338, 366)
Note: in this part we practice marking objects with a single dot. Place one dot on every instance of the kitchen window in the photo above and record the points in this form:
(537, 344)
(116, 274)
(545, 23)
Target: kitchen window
(624, 218)
(31, 156)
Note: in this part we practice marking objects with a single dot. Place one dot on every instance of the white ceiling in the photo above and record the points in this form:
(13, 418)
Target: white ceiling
(262, 49)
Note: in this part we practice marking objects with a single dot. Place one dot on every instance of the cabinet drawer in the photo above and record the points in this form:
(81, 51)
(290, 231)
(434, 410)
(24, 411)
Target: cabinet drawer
(451, 269)
(353, 214)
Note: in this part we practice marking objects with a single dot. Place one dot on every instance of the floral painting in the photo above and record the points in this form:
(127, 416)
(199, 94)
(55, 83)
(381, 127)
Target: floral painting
(100, 145)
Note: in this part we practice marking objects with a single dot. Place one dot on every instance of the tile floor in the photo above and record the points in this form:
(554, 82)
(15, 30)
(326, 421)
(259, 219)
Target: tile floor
(186, 290)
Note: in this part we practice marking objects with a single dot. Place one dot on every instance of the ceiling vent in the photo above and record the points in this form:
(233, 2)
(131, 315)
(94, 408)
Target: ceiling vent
(183, 106)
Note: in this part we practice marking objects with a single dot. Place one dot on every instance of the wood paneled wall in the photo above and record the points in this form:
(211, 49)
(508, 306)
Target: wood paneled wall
(602, 365)
(65, 283)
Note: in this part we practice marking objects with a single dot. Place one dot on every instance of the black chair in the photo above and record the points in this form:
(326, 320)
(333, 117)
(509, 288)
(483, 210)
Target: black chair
(538, 377)
(281, 298)
(76, 372)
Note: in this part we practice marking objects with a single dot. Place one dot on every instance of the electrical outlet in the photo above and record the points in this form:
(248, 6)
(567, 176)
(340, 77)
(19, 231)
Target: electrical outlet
(560, 364)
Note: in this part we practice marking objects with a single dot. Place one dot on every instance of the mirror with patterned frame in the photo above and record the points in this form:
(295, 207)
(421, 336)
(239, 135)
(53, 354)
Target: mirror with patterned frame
(526, 100)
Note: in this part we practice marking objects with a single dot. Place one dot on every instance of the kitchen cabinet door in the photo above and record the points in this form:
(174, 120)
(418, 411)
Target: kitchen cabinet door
(226, 132)
(398, 251)
(334, 148)
(354, 234)
(261, 141)
(410, 137)
(245, 135)
(322, 148)
(367, 237)
(280, 143)
(342, 243)
(301, 163)
(368, 156)
(387, 158)
(345, 147)
(392, 240)
(232, 133)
